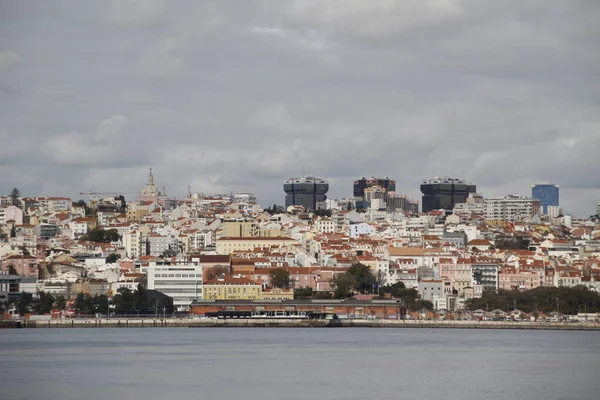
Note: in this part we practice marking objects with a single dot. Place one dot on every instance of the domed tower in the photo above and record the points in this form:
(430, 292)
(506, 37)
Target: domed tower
(150, 192)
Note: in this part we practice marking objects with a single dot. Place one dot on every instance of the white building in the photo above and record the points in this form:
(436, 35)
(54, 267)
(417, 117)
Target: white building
(511, 208)
(183, 283)
(554, 211)
(159, 244)
(11, 213)
(132, 242)
(361, 229)
(326, 225)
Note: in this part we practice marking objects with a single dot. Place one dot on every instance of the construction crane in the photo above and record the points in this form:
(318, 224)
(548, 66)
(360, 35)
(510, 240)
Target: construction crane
(94, 195)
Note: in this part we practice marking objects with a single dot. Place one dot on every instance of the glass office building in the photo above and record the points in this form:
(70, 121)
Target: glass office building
(547, 194)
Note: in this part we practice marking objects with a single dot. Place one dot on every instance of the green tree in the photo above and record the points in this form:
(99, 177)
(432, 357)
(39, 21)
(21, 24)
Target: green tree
(123, 300)
(12, 270)
(478, 276)
(343, 285)
(365, 280)
(101, 304)
(43, 304)
(84, 304)
(14, 197)
(140, 298)
(396, 290)
(280, 278)
(303, 293)
(98, 235)
(24, 304)
(13, 231)
(60, 303)
(112, 258)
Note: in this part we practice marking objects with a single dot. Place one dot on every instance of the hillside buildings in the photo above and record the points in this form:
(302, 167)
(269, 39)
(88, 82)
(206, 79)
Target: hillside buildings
(210, 247)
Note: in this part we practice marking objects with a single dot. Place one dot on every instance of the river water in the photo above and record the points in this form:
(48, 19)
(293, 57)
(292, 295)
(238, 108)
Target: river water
(298, 364)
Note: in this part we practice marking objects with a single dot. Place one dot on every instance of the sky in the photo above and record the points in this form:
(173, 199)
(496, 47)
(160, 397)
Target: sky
(237, 96)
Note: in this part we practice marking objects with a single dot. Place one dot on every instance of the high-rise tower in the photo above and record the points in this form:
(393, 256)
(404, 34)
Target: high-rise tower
(444, 193)
(547, 194)
(305, 191)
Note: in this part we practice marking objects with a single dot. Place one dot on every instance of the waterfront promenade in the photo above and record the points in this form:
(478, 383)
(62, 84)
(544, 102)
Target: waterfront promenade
(300, 323)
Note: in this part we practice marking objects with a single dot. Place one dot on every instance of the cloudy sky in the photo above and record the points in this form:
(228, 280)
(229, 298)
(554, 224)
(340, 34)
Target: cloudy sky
(239, 95)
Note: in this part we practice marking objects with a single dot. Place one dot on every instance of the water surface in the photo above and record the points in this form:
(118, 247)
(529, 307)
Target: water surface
(298, 364)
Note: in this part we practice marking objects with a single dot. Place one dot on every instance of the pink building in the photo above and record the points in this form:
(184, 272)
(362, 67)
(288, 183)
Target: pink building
(24, 265)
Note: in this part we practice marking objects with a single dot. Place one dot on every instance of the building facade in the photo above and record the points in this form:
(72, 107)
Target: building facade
(388, 185)
(183, 283)
(232, 288)
(511, 208)
(547, 194)
(444, 193)
(305, 191)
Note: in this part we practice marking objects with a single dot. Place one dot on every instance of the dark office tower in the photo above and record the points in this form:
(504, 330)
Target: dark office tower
(306, 191)
(360, 185)
(547, 194)
(444, 193)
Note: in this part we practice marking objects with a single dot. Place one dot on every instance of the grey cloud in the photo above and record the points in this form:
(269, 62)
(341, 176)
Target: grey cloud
(7, 60)
(240, 95)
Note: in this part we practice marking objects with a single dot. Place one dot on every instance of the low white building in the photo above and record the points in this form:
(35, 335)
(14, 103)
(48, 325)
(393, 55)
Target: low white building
(361, 229)
(183, 283)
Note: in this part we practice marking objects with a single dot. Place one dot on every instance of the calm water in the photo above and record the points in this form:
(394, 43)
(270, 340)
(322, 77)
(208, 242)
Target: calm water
(288, 364)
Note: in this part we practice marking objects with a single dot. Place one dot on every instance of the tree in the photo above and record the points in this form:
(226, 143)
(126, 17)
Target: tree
(84, 304)
(60, 303)
(112, 258)
(396, 290)
(280, 278)
(24, 304)
(123, 300)
(12, 270)
(102, 236)
(343, 285)
(478, 276)
(365, 279)
(303, 293)
(13, 231)
(43, 304)
(14, 197)
(101, 304)
(140, 298)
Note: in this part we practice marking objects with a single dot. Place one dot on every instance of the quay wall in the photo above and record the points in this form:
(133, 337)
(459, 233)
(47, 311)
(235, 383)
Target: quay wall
(300, 323)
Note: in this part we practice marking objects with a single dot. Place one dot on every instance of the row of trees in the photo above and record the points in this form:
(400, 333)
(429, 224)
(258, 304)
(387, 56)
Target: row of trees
(124, 302)
(43, 304)
(544, 299)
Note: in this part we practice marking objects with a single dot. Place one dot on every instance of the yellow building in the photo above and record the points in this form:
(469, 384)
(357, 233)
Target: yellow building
(232, 288)
(238, 229)
(278, 294)
(228, 245)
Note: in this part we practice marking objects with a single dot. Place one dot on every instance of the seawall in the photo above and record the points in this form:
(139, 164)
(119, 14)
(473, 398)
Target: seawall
(292, 323)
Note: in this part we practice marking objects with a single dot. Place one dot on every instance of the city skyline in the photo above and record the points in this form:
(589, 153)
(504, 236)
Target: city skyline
(238, 98)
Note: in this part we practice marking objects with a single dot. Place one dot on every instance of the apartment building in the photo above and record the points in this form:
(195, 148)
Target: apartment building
(511, 208)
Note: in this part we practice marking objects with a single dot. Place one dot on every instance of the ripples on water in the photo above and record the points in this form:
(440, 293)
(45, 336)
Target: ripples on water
(298, 364)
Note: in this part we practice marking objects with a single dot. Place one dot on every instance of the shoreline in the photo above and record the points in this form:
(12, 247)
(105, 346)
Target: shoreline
(294, 323)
